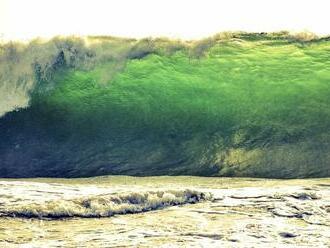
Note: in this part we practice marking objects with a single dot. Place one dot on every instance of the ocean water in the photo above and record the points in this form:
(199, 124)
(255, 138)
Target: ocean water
(121, 211)
(242, 105)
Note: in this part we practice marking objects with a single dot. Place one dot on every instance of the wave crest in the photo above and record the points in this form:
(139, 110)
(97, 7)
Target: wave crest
(106, 205)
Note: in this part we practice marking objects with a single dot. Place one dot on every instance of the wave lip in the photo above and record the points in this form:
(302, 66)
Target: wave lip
(106, 205)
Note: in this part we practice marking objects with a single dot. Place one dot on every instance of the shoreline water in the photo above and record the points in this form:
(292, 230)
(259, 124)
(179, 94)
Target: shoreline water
(242, 213)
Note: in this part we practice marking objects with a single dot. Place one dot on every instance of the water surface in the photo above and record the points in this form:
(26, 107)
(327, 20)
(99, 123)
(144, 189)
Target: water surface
(164, 212)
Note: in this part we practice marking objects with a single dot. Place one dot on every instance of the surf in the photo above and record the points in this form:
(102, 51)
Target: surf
(87, 202)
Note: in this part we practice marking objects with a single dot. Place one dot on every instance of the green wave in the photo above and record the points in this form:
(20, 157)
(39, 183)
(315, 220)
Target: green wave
(245, 107)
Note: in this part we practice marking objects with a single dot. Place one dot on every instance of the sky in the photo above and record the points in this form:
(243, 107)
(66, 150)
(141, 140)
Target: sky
(185, 19)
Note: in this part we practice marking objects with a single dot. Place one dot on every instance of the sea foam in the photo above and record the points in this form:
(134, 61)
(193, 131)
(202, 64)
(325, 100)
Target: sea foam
(105, 205)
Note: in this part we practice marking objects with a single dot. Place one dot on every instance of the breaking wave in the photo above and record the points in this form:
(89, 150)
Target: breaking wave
(105, 205)
(253, 105)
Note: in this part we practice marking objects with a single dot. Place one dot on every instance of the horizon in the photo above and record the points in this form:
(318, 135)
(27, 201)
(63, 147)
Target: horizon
(302, 35)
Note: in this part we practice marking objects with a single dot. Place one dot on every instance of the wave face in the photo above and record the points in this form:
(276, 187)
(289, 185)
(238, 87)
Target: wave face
(241, 105)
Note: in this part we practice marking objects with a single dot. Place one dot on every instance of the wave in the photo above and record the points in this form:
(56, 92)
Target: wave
(105, 205)
(253, 105)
